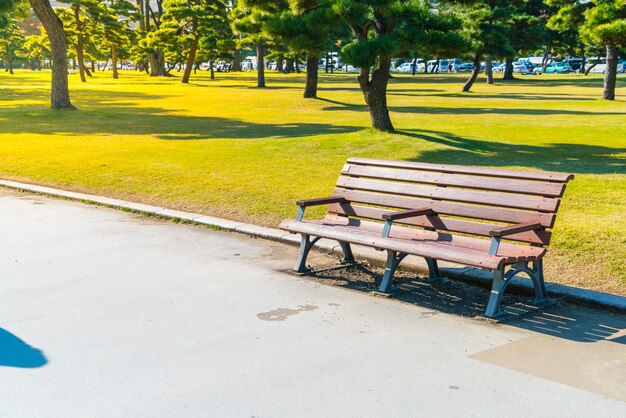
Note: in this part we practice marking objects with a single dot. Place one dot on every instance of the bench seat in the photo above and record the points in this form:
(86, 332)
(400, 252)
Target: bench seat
(429, 244)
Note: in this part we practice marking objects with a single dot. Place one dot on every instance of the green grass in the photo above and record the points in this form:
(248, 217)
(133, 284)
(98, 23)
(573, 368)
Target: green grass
(228, 149)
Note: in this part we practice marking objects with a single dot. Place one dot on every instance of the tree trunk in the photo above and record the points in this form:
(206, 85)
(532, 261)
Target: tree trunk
(80, 43)
(157, 64)
(280, 68)
(435, 67)
(413, 66)
(191, 59)
(260, 65)
(508, 69)
(236, 66)
(211, 62)
(470, 82)
(588, 70)
(583, 54)
(9, 63)
(114, 61)
(289, 68)
(60, 95)
(310, 90)
(375, 94)
(544, 60)
(296, 61)
(489, 70)
(610, 73)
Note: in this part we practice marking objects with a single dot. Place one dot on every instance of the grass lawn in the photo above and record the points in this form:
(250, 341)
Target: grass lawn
(228, 149)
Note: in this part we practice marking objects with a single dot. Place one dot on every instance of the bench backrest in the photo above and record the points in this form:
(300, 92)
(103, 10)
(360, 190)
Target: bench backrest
(469, 200)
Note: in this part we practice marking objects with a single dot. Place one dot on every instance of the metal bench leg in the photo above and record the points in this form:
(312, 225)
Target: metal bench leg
(393, 260)
(433, 268)
(500, 280)
(348, 257)
(305, 246)
(541, 296)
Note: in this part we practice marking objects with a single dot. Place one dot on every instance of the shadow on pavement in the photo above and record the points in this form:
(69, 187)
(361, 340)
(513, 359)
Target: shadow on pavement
(443, 295)
(15, 352)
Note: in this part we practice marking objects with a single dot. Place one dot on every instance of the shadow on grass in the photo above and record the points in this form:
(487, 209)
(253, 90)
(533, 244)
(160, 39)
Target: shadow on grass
(497, 96)
(429, 110)
(573, 158)
(121, 113)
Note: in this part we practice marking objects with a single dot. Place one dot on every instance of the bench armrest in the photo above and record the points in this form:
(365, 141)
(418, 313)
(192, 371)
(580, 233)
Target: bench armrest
(392, 216)
(514, 229)
(389, 217)
(303, 204)
(320, 201)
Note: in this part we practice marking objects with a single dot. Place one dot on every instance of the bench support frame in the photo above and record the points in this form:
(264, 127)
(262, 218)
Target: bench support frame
(307, 242)
(501, 279)
(348, 257)
(394, 259)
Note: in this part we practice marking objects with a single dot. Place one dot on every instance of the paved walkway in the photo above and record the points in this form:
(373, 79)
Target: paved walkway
(106, 313)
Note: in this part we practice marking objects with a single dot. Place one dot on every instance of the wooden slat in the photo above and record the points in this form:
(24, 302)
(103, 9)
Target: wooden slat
(469, 196)
(424, 249)
(399, 231)
(480, 171)
(441, 223)
(539, 188)
(449, 208)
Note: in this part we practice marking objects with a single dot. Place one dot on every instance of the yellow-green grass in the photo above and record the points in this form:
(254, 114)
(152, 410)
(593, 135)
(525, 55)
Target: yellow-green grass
(225, 148)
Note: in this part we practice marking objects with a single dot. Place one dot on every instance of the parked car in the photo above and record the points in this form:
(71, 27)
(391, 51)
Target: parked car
(483, 66)
(498, 68)
(445, 65)
(574, 63)
(466, 67)
(555, 68)
(407, 67)
(600, 66)
(518, 67)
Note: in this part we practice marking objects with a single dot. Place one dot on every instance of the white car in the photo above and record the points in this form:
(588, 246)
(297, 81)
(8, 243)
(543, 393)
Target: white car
(407, 67)
(518, 67)
(600, 67)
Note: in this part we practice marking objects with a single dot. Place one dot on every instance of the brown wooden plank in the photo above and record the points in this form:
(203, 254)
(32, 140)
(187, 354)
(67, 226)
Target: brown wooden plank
(441, 223)
(469, 196)
(539, 188)
(424, 249)
(399, 231)
(481, 171)
(488, 213)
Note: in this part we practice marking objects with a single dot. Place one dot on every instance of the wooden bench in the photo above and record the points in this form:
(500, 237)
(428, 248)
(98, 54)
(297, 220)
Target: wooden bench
(482, 217)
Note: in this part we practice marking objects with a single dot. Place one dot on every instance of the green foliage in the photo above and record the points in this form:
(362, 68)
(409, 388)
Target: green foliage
(249, 17)
(365, 52)
(35, 49)
(184, 22)
(605, 23)
(6, 5)
(387, 27)
(308, 26)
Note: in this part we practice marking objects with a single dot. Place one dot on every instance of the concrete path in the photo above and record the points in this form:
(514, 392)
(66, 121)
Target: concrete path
(108, 314)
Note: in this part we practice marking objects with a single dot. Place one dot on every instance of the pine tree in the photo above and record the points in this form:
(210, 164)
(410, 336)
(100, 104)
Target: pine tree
(605, 24)
(381, 28)
(306, 28)
(248, 18)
